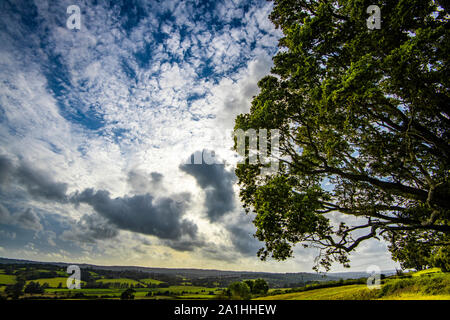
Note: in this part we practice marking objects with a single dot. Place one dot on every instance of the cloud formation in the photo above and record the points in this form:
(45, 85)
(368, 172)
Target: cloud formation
(37, 183)
(161, 217)
(26, 219)
(90, 228)
(141, 182)
(217, 183)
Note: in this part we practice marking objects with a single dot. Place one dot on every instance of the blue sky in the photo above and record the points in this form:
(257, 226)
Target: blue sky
(96, 124)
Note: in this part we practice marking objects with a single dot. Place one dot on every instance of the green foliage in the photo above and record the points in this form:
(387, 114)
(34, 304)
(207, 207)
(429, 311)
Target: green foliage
(410, 249)
(250, 284)
(260, 286)
(364, 112)
(127, 294)
(438, 284)
(245, 289)
(239, 291)
(34, 287)
(440, 258)
(16, 290)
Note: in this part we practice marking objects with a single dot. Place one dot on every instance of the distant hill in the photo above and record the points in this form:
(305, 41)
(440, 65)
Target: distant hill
(357, 274)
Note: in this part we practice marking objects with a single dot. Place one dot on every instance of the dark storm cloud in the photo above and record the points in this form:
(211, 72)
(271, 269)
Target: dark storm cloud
(162, 217)
(37, 183)
(242, 238)
(41, 185)
(185, 244)
(220, 252)
(5, 216)
(217, 184)
(6, 168)
(28, 219)
(89, 228)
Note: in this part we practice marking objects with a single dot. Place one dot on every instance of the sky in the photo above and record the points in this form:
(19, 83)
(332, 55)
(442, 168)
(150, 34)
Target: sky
(97, 125)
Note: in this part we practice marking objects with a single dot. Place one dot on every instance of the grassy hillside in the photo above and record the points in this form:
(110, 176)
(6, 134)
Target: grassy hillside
(150, 281)
(423, 285)
(120, 280)
(335, 293)
(187, 292)
(53, 282)
(7, 279)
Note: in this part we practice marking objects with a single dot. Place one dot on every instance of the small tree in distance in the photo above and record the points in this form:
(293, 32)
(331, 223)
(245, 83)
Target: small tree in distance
(127, 294)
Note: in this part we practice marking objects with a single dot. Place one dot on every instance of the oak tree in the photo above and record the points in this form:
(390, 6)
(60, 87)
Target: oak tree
(364, 121)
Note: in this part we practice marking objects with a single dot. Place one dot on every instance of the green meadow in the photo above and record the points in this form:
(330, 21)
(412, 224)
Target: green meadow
(150, 281)
(52, 282)
(119, 281)
(172, 292)
(430, 284)
(7, 279)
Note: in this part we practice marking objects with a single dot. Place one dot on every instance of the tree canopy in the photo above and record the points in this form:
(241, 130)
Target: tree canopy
(239, 290)
(363, 119)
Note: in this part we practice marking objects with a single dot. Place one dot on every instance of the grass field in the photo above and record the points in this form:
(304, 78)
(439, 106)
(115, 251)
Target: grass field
(186, 289)
(52, 282)
(7, 279)
(425, 272)
(431, 284)
(119, 280)
(184, 292)
(195, 296)
(413, 296)
(96, 292)
(336, 293)
(150, 281)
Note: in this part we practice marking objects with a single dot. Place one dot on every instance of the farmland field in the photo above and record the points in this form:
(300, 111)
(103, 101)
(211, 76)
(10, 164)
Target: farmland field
(426, 272)
(181, 292)
(430, 284)
(120, 280)
(150, 281)
(180, 289)
(53, 282)
(85, 291)
(7, 279)
(336, 293)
